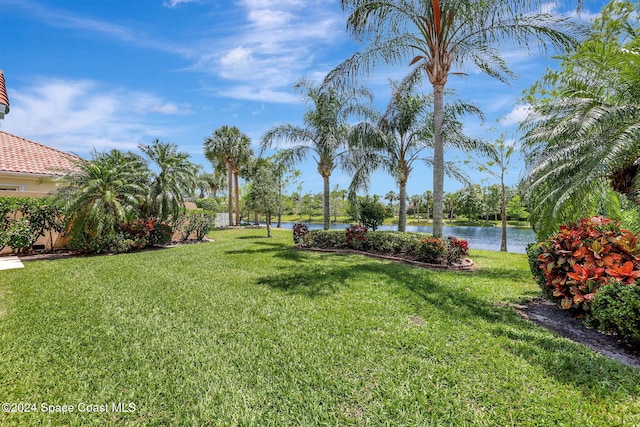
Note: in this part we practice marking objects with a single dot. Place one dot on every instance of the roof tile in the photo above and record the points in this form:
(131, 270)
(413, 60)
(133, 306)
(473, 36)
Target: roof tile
(21, 155)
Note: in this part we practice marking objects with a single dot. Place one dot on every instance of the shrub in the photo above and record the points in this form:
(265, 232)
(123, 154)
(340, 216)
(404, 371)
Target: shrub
(356, 236)
(23, 220)
(161, 233)
(456, 249)
(420, 246)
(300, 235)
(119, 242)
(207, 204)
(431, 250)
(196, 223)
(534, 250)
(372, 213)
(583, 256)
(616, 309)
(327, 239)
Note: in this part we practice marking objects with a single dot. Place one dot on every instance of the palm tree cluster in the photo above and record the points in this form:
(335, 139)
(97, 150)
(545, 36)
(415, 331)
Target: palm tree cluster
(324, 133)
(433, 36)
(583, 149)
(116, 188)
(228, 148)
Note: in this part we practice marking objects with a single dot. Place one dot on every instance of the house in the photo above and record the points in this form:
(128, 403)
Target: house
(25, 165)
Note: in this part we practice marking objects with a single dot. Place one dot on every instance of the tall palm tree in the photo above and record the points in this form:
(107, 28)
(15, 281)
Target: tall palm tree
(225, 147)
(583, 150)
(103, 193)
(324, 134)
(174, 176)
(395, 140)
(435, 35)
(242, 164)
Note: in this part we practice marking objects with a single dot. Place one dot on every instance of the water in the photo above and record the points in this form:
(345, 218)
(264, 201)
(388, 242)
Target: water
(486, 238)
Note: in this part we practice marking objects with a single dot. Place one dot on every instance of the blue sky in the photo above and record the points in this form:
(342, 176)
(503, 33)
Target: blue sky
(102, 74)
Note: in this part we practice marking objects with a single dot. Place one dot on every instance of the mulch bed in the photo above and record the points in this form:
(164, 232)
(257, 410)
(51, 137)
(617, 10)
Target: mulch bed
(547, 314)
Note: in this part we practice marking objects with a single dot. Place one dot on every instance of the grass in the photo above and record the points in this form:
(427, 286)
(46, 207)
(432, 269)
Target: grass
(247, 331)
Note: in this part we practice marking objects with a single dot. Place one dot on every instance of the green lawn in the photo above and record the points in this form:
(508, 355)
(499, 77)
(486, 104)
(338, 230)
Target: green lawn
(247, 331)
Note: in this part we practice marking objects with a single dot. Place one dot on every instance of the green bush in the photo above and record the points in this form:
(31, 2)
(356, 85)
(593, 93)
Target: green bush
(327, 239)
(116, 243)
(419, 246)
(161, 233)
(616, 309)
(534, 250)
(197, 223)
(207, 204)
(23, 220)
(372, 213)
(431, 250)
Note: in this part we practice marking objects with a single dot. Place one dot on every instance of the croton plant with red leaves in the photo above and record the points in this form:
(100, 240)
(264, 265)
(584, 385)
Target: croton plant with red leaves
(585, 255)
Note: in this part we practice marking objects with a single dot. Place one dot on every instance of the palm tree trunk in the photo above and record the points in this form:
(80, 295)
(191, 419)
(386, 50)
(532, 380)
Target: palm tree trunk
(402, 214)
(235, 183)
(327, 210)
(503, 212)
(438, 158)
(230, 190)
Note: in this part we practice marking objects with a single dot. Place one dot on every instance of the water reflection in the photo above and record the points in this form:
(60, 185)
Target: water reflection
(487, 238)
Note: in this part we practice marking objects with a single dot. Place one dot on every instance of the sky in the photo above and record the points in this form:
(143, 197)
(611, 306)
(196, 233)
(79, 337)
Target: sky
(102, 74)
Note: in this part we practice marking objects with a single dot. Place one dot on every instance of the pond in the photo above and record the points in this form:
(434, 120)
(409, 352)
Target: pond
(487, 238)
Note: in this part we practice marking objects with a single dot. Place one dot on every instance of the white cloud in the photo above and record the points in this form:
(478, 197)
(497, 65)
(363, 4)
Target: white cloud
(79, 115)
(260, 94)
(277, 45)
(174, 3)
(517, 115)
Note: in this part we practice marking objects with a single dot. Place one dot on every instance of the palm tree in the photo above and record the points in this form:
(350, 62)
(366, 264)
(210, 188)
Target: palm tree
(229, 147)
(173, 178)
(583, 150)
(451, 204)
(427, 196)
(394, 140)
(391, 196)
(324, 133)
(242, 163)
(435, 35)
(101, 194)
(416, 200)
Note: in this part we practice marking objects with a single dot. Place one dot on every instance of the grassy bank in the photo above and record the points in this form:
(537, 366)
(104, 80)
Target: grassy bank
(247, 331)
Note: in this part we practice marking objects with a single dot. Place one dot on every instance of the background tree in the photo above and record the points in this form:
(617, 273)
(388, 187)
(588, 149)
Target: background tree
(391, 196)
(395, 140)
(229, 147)
(583, 149)
(324, 134)
(427, 199)
(262, 194)
(470, 201)
(499, 162)
(416, 201)
(438, 34)
(172, 177)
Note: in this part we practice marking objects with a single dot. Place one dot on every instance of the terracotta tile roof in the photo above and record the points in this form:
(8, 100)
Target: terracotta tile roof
(4, 98)
(21, 155)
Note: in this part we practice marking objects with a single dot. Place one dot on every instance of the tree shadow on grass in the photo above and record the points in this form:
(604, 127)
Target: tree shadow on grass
(566, 361)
